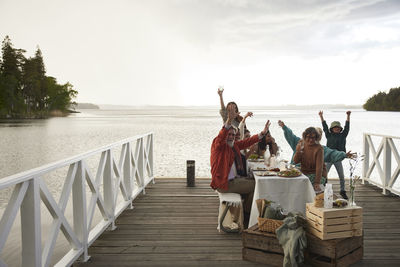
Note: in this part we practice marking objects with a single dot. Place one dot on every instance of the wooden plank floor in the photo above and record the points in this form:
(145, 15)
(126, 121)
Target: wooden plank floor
(172, 225)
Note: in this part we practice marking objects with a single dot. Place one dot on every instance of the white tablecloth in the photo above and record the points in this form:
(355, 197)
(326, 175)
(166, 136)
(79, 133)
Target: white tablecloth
(291, 193)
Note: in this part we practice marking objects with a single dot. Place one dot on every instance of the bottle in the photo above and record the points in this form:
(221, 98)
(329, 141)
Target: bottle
(328, 196)
(272, 161)
(267, 156)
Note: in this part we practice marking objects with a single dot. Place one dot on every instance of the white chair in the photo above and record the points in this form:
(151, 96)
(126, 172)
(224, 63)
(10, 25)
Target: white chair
(227, 200)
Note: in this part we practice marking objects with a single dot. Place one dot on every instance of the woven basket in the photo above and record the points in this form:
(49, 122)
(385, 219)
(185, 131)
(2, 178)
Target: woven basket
(268, 225)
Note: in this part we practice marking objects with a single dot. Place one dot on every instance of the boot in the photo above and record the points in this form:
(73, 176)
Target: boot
(343, 194)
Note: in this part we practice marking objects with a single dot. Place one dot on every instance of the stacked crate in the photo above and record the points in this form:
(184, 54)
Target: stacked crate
(261, 247)
(334, 238)
(335, 222)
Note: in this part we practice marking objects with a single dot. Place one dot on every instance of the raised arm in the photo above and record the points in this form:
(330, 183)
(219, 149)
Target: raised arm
(290, 137)
(242, 124)
(242, 144)
(221, 98)
(324, 125)
(347, 124)
(321, 115)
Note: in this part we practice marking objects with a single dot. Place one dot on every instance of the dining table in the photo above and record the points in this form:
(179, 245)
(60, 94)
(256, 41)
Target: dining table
(290, 193)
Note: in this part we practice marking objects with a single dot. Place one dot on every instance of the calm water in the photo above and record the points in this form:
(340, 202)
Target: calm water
(179, 134)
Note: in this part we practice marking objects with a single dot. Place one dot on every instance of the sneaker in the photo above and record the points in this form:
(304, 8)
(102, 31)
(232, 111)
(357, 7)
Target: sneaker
(343, 194)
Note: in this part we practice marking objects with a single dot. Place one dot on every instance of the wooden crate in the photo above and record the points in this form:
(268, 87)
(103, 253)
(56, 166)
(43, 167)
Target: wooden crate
(334, 223)
(334, 252)
(261, 247)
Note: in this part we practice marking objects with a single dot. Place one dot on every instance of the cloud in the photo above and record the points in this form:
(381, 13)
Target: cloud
(167, 52)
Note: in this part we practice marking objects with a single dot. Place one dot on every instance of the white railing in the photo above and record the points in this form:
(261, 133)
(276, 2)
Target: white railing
(130, 175)
(387, 147)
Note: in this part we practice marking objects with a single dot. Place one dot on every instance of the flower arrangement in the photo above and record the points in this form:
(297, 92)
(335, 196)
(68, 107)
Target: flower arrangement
(354, 179)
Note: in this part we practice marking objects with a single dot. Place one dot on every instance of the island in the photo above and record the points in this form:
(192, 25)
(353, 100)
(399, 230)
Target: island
(384, 101)
(26, 92)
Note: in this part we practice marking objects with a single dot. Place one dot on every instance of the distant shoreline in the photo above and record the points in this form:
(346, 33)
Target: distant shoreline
(320, 106)
(41, 115)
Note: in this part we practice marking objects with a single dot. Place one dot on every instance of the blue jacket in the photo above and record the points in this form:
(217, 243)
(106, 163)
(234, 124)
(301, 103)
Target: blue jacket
(330, 155)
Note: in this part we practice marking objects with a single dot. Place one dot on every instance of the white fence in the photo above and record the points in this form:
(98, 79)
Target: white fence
(387, 173)
(130, 175)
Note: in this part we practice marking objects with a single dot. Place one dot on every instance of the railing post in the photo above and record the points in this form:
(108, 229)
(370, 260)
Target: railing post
(127, 169)
(31, 226)
(108, 189)
(366, 158)
(140, 164)
(387, 163)
(79, 209)
(150, 159)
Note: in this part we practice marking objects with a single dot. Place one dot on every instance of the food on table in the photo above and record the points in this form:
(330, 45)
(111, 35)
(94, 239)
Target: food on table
(274, 169)
(290, 173)
(340, 203)
(253, 156)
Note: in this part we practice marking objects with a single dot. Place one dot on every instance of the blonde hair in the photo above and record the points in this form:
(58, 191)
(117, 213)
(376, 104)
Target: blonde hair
(319, 130)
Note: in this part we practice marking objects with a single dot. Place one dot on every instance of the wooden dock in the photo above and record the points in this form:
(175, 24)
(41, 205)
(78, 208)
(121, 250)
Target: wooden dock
(172, 225)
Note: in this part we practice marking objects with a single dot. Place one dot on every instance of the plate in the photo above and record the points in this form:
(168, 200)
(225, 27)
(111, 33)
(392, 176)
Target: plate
(265, 173)
(289, 173)
(286, 176)
(255, 160)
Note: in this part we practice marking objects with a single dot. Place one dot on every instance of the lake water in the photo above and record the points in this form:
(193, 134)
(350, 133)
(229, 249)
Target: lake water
(179, 134)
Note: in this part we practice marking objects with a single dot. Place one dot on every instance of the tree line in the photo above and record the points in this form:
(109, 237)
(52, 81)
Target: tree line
(384, 101)
(25, 90)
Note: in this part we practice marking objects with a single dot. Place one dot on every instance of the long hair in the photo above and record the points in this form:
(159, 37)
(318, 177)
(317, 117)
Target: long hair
(233, 103)
(238, 118)
(262, 144)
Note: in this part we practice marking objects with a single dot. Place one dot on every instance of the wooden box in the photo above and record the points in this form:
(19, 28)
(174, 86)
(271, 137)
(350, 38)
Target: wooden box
(261, 247)
(334, 223)
(264, 248)
(334, 252)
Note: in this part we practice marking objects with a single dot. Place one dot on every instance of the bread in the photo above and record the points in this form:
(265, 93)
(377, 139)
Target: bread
(319, 200)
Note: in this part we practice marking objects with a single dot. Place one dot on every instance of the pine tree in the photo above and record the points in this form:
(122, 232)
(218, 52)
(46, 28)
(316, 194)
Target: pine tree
(10, 76)
(34, 86)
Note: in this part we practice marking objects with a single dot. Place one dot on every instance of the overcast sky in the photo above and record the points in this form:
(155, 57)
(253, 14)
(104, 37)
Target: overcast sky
(166, 52)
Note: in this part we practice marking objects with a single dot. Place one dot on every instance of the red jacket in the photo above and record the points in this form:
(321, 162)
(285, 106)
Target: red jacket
(222, 157)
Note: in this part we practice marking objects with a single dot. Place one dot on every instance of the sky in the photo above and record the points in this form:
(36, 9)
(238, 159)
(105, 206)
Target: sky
(178, 52)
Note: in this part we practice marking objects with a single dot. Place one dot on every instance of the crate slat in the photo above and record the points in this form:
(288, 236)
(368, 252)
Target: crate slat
(334, 223)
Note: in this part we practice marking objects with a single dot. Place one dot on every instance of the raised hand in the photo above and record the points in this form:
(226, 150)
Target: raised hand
(248, 114)
(321, 115)
(281, 123)
(351, 155)
(348, 113)
(220, 91)
(266, 128)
